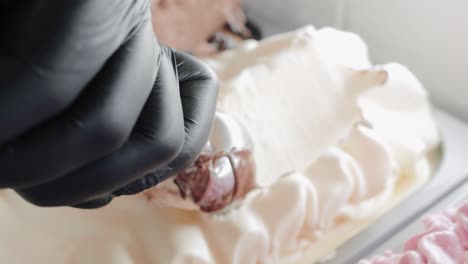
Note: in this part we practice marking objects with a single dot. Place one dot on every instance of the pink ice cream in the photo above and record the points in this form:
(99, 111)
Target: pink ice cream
(444, 241)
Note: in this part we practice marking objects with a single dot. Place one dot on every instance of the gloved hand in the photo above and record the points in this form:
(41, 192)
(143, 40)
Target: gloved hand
(89, 102)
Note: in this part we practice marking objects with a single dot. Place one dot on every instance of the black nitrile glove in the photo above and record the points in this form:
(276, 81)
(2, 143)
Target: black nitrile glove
(89, 102)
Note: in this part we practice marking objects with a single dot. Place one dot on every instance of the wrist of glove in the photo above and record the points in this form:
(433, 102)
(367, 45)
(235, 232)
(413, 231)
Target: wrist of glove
(99, 114)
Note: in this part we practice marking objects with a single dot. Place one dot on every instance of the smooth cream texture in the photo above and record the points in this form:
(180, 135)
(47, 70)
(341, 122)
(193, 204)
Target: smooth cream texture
(288, 96)
(332, 146)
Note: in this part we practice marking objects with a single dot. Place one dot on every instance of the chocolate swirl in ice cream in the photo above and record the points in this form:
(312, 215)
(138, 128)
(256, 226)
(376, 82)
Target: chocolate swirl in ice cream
(202, 27)
(217, 180)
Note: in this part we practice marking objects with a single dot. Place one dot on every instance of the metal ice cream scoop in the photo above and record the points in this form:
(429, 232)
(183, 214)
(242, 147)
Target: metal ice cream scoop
(225, 171)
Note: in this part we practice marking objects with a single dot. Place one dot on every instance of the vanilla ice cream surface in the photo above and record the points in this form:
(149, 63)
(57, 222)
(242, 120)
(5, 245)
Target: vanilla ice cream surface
(336, 141)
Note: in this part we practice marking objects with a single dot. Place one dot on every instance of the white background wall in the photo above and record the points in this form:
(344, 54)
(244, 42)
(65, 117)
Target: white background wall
(429, 36)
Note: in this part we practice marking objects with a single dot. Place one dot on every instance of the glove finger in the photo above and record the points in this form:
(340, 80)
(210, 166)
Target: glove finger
(98, 123)
(199, 92)
(96, 203)
(51, 49)
(156, 140)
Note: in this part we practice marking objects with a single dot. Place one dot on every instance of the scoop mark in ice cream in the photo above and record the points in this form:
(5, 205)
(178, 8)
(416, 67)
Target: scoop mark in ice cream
(217, 180)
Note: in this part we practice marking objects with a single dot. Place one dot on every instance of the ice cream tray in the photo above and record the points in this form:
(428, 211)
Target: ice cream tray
(448, 187)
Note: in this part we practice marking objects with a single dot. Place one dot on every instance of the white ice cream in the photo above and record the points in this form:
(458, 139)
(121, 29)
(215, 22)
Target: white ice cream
(336, 141)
